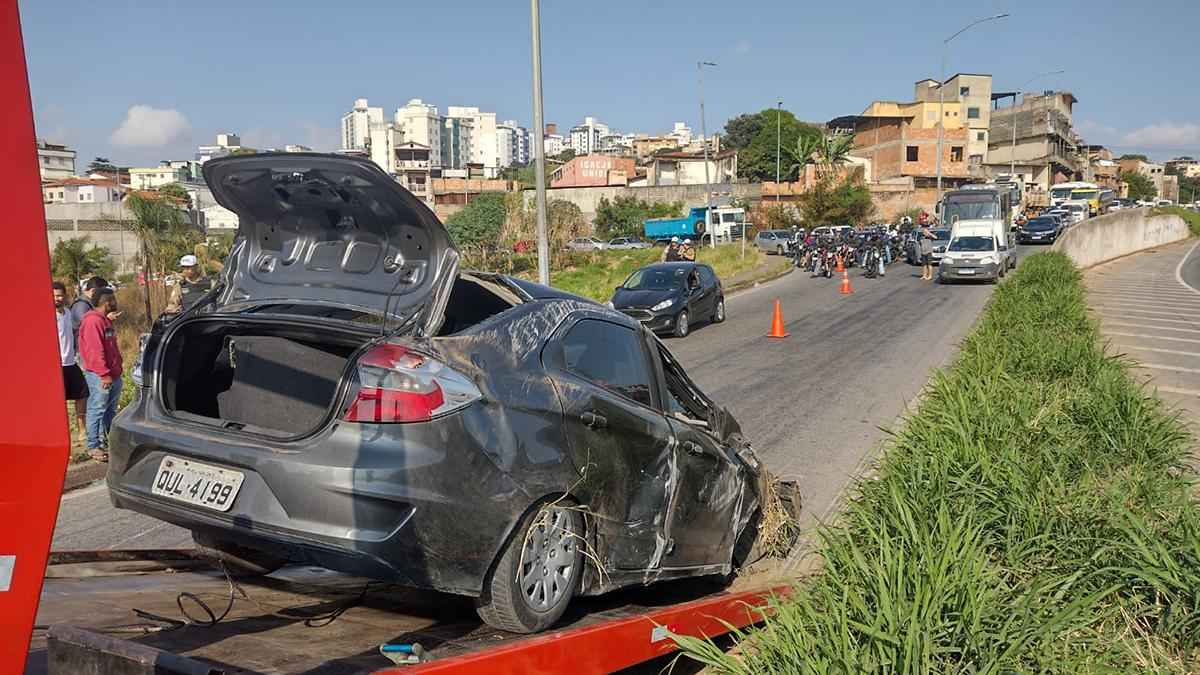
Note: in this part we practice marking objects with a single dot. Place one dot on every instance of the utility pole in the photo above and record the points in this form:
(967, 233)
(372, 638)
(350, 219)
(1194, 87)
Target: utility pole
(539, 171)
(704, 134)
(941, 126)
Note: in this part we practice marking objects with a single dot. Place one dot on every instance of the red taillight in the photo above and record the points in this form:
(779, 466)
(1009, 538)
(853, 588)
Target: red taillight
(397, 385)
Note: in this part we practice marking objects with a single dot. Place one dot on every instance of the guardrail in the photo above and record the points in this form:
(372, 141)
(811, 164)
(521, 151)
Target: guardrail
(1117, 234)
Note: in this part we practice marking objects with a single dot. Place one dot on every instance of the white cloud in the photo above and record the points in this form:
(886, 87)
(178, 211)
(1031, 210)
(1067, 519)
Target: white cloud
(151, 127)
(1091, 128)
(742, 47)
(1164, 135)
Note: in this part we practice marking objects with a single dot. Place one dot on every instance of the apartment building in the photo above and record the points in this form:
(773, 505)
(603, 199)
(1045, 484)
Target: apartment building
(356, 124)
(585, 137)
(421, 123)
(55, 161)
(901, 141)
(973, 93)
(1046, 150)
(483, 148)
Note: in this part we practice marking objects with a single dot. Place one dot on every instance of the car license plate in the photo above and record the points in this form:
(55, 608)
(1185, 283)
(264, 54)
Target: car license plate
(966, 271)
(195, 483)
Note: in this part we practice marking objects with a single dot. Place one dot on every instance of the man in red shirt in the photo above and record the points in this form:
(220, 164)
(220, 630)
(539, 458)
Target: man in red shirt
(102, 369)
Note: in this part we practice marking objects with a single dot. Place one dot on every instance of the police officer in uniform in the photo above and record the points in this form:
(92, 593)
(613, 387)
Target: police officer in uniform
(192, 286)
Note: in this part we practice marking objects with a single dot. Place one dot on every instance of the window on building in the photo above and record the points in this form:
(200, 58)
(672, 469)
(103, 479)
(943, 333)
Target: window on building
(981, 136)
(972, 113)
(956, 153)
(964, 91)
(911, 153)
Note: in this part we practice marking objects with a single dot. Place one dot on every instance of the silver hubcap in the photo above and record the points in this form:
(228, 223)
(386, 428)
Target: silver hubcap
(548, 565)
(721, 311)
(683, 324)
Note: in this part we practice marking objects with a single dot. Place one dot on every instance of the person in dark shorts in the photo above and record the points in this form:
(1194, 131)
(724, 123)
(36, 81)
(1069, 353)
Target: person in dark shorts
(73, 383)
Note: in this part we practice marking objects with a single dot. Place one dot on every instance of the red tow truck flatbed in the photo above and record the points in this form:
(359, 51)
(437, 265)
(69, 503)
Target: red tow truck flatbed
(120, 612)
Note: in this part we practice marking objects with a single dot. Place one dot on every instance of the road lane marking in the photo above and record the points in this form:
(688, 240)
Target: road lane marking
(1139, 311)
(1163, 366)
(1144, 325)
(1179, 268)
(1155, 292)
(1160, 351)
(1151, 300)
(1179, 390)
(1150, 337)
(1119, 315)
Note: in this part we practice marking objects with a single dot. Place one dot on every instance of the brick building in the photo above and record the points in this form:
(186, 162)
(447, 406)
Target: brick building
(593, 170)
(901, 142)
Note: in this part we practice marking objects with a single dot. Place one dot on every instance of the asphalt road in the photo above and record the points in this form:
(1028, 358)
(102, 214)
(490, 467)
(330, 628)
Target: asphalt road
(814, 404)
(1149, 309)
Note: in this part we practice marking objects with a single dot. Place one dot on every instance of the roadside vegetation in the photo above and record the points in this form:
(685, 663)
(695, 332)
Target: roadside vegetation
(595, 275)
(1190, 217)
(1036, 514)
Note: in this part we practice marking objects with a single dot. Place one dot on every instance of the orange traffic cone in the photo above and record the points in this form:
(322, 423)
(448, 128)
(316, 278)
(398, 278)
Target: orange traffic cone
(777, 330)
(846, 290)
(840, 266)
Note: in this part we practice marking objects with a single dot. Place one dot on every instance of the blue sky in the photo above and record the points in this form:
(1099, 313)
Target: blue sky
(284, 72)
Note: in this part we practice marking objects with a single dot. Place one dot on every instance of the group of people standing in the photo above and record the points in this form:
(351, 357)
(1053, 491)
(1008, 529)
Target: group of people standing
(92, 367)
(677, 251)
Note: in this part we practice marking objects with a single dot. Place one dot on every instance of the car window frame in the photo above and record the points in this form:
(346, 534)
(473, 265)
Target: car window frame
(656, 348)
(558, 359)
(712, 276)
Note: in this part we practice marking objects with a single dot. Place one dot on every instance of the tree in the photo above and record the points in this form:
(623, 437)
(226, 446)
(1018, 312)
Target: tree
(829, 202)
(156, 223)
(177, 192)
(565, 156)
(244, 151)
(1140, 187)
(101, 164)
(756, 158)
(1189, 187)
(1134, 156)
(72, 259)
(741, 130)
(479, 222)
(624, 216)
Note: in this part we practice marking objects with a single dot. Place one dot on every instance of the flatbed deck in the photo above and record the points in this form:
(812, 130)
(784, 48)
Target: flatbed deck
(298, 620)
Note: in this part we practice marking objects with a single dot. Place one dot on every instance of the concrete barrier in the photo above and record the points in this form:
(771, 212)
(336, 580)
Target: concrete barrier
(1117, 234)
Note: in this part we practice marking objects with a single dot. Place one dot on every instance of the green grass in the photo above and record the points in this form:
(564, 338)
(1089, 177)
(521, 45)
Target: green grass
(595, 275)
(1190, 217)
(1035, 515)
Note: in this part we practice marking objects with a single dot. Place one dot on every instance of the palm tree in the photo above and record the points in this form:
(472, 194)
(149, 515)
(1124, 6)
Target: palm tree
(72, 259)
(154, 220)
(807, 151)
(834, 149)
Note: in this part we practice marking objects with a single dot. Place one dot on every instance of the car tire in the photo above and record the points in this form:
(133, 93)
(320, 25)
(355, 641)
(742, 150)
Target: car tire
(682, 327)
(504, 603)
(719, 311)
(241, 562)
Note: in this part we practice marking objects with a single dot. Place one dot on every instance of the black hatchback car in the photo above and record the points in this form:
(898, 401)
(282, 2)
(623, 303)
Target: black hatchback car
(671, 297)
(347, 398)
(1041, 230)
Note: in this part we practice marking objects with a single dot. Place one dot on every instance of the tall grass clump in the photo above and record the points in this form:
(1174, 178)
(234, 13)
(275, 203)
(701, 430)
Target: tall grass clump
(1034, 515)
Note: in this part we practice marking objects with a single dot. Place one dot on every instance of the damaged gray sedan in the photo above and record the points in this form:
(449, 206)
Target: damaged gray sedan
(348, 398)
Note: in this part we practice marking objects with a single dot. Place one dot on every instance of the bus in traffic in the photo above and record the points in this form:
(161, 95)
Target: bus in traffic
(1061, 193)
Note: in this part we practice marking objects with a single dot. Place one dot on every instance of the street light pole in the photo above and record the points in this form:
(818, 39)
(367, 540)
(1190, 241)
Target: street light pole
(704, 134)
(941, 127)
(1012, 155)
(778, 136)
(539, 149)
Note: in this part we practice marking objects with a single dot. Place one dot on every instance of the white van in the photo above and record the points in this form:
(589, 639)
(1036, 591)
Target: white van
(975, 252)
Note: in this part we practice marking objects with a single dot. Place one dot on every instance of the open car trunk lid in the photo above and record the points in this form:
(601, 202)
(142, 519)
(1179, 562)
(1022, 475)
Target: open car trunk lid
(331, 230)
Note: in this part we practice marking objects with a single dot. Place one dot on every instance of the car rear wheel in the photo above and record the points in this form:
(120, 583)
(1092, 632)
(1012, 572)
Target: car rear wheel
(537, 574)
(681, 324)
(240, 561)
(719, 312)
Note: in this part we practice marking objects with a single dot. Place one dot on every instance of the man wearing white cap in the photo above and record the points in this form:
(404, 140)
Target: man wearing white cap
(191, 287)
(671, 252)
(686, 252)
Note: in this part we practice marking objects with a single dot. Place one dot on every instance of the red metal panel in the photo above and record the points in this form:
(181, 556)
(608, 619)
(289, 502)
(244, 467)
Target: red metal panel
(607, 646)
(33, 435)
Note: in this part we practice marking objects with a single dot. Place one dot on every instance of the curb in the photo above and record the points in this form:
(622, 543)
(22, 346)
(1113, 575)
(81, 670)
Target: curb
(83, 474)
(788, 269)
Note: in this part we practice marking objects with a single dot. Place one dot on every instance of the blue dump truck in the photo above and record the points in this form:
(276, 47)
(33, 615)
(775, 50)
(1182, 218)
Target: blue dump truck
(727, 223)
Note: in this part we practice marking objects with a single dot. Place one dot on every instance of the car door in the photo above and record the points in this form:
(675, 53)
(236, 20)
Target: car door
(710, 483)
(707, 293)
(620, 441)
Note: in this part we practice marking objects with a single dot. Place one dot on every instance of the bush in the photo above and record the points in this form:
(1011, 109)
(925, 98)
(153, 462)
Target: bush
(1035, 515)
(626, 216)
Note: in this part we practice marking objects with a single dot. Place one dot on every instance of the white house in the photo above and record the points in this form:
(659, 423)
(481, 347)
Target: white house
(81, 190)
(152, 178)
(217, 218)
(56, 162)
